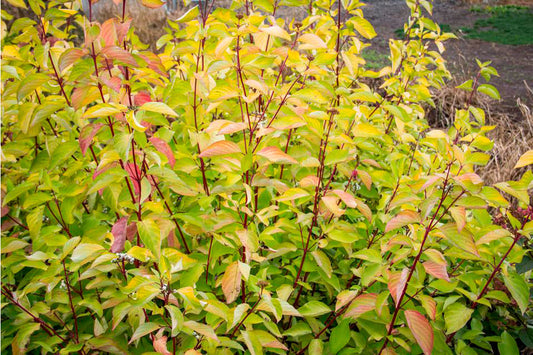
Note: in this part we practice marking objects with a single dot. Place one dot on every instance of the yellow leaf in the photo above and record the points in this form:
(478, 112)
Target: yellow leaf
(153, 4)
(103, 110)
(158, 107)
(525, 159)
(132, 120)
(364, 27)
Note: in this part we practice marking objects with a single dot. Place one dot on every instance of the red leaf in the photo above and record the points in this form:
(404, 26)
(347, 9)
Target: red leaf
(135, 176)
(87, 134)
(5, 210)
(114, 83)
(402, 219)
(119, 232)
(172, 240)
(131, 231)
(421, 330)
(436, 270)
(119, 54)
(164, 148)
(396, 285)
(141, 98)
(122, 29)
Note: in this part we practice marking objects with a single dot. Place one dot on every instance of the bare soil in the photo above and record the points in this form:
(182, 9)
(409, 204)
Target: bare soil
(513, 63)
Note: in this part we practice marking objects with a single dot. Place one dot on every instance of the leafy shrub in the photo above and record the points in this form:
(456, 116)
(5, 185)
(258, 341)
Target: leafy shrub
(244, 191)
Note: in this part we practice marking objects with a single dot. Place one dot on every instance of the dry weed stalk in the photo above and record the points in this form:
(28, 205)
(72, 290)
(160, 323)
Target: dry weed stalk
(512, 136)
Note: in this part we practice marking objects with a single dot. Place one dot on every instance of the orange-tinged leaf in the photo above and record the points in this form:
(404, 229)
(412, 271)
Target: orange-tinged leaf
(346, 197)
(362, 304)
(276, 345)
(365, 178)
(231, 282)
(435, 256)
(459, 215)
(276, 155)
(311, 41)
(160, 345)
(461, 239)
(83, 96)
(276, 31)
(309, 181)
(364, 209)
(421, 330)
(332, 206)
(232, 127)
(402, 219)
(436, 270)
(220, 148)
(493, 235)
(344, 298)
(397, 283)
(108, 32)
(164, 148)
(69, 57)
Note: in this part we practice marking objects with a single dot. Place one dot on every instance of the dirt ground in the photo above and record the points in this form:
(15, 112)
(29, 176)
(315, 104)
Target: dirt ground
(513, 63)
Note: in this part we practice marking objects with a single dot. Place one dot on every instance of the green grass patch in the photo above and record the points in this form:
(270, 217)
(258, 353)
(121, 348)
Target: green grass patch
(507, 25)
(374, 59)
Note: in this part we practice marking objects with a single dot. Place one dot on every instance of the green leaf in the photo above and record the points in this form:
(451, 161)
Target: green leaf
(489, 90)
(340, 336)
(456, 316)
(519, 289)
(314, 309)
(151, 236)
(85, 251)
(508, 345)
(143, 329)
(30, 83)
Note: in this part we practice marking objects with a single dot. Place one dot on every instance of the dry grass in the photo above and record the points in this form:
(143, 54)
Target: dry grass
(512, 137)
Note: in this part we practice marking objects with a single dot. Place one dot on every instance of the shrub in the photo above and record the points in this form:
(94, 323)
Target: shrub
(245, 191)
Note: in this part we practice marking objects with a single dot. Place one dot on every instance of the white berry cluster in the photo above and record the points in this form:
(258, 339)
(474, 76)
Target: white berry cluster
(123, 257)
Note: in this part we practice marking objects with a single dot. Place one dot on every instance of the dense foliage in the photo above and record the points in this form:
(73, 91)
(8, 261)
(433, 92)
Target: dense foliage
(250, 189)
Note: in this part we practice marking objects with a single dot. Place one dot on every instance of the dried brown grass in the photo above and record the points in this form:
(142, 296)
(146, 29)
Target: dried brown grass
(512, 135)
